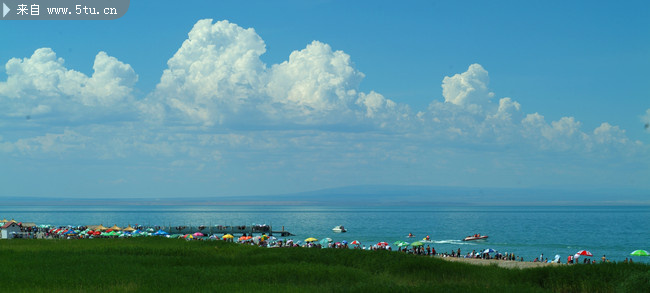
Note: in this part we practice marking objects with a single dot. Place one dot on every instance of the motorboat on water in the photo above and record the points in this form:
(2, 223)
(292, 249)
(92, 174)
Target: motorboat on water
(339, 229)
(475, 237)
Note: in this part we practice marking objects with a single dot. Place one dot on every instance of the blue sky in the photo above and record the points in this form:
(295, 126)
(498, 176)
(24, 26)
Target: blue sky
(236, 98)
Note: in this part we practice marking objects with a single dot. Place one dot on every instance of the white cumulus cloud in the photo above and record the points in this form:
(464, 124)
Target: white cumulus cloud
(215, 72)
(217, 77)
(469, 89)
(41, 84)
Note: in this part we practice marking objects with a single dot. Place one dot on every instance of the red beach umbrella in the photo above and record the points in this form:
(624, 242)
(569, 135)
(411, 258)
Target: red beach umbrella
(585, 253)
(356, 242)
(382, 244)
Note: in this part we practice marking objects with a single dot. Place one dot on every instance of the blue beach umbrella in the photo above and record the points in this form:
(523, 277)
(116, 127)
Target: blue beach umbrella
(489, 250)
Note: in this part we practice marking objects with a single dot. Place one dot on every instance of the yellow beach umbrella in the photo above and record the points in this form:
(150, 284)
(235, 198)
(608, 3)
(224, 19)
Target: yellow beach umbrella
(311, 239)
(227, 236)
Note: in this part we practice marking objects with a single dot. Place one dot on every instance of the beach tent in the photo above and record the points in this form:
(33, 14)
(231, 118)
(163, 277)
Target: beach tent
(160, 233)
(556, 259)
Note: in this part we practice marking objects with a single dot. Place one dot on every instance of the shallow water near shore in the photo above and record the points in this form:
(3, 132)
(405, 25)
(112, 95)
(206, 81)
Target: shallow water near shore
(529, 231)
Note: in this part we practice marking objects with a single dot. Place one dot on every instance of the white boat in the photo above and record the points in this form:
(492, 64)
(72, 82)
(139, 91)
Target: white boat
(475, 237)
(339, 229)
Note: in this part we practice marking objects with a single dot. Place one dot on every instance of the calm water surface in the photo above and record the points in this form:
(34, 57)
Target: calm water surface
(527, 231)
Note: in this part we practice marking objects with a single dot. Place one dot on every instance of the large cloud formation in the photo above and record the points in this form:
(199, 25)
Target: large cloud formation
(42, 86)
(217, 77)
(217, 83)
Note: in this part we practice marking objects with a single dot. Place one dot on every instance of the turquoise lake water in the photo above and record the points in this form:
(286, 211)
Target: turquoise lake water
(613, 231)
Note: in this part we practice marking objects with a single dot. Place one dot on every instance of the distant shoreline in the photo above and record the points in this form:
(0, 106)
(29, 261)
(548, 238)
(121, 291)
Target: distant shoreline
(367, 195)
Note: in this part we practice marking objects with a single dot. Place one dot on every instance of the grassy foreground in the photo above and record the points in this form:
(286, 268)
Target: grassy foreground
(154, 264)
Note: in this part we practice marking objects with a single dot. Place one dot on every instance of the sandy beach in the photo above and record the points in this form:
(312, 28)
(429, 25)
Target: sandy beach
(501, 263)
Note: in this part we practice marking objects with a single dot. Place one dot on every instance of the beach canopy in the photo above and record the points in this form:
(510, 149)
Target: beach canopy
(128, 229)
(160, 233)
(639, 252)
(116, 228)
(584, 252)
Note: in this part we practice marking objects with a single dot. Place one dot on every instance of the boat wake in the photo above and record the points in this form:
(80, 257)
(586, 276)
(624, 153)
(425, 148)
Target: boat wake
(453, 241)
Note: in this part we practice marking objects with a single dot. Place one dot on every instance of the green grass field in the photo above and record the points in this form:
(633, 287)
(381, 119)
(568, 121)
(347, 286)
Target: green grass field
(155, 264)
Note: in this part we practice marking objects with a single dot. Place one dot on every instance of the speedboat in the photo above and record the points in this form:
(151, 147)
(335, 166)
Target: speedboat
(475, 237)
(339, 229)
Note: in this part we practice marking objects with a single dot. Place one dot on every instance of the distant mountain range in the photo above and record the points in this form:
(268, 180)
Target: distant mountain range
(380, 195)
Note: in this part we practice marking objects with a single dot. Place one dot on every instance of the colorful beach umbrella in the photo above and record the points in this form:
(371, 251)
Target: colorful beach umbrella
(584, 252)
(417, 243)
(311, 239)
(489, 250)
(639, 252)
(382, 244)
(326, 240)
(400, 243)
(356, 242)
(228, 236)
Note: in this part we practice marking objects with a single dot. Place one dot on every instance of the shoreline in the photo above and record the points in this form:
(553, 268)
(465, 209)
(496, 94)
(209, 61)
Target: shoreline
(508, 264)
